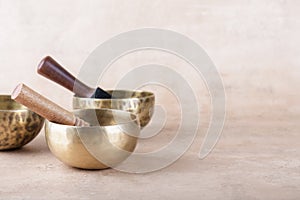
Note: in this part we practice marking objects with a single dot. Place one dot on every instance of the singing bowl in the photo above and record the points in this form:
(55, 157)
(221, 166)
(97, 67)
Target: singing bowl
(18, 125)
(110, 139)
(140, 103)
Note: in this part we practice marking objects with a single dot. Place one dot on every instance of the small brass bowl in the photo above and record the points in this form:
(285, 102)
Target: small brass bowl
(18, 125)
(140, 103)
(110, 139)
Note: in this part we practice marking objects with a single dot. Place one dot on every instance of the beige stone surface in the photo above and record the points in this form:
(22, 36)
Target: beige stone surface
(254, 159)
(255, 46)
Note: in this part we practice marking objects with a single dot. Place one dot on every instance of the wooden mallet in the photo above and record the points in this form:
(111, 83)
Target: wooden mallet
(52, 70)
(44, 107)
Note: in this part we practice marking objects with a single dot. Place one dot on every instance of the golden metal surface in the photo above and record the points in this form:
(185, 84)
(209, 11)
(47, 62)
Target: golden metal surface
(18, 125)
(140, 103)
(109, 140)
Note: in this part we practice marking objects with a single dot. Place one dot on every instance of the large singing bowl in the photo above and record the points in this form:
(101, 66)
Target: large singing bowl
(138, 102)
(110, 139)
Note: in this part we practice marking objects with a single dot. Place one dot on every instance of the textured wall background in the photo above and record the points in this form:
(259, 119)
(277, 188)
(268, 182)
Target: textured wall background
(255, 45)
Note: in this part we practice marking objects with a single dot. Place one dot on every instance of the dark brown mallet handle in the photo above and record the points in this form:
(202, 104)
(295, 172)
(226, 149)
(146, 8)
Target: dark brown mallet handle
(45, 107)
(50, 69)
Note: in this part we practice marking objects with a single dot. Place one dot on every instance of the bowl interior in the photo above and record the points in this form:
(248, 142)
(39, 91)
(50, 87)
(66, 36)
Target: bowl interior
(105, 117)
(126, 94)
(6, 103)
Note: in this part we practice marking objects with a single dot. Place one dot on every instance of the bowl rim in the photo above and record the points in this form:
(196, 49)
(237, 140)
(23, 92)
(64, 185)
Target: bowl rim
(22, 109)
(136, 119)
(150, 95)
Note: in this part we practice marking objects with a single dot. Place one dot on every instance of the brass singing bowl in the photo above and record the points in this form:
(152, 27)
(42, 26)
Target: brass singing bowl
(18, 125)
(110, 139)
(137, 102)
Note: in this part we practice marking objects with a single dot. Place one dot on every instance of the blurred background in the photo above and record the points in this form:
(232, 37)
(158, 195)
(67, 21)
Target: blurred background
(254, 45)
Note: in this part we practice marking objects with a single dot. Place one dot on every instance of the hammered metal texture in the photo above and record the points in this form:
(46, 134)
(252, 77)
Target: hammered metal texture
(18, 125)
(140, 103)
